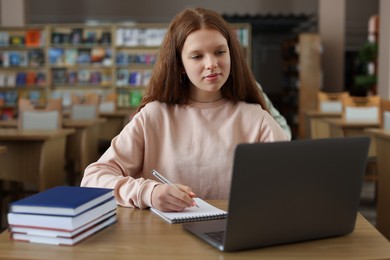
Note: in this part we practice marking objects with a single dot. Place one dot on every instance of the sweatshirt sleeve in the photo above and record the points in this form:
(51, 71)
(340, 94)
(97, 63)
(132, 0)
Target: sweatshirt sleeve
(120, 168)
(271, 131)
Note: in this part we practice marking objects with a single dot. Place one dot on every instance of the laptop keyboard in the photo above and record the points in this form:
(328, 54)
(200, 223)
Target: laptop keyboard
(216, 235)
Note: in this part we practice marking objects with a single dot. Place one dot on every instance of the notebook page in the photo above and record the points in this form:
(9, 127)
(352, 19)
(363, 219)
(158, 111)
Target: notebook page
(205, 211)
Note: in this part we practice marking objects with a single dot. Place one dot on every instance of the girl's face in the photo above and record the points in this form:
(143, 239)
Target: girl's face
(206, 61)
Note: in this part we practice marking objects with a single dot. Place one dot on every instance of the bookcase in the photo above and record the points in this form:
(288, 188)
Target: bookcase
(80, 59)
(23, 67)
(136, 49)
(302, 79)
(59, 60)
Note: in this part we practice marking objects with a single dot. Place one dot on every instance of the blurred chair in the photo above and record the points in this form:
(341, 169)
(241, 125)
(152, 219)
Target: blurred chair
(25, 104)
(331, 102)
(31, 118)
(39, 120)
(89, 98)
(385, 114)
(108, 103)
(84, 107)
(54, 104)
(361, 109)
(83, 111)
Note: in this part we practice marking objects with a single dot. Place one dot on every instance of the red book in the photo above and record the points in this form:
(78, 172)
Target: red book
(33, 38)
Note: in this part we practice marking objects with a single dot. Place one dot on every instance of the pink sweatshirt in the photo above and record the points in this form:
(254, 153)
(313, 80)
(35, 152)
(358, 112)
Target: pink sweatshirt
(189, 144)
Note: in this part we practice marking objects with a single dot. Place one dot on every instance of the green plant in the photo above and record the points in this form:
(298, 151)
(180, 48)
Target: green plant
(368, 52)
(363, 81)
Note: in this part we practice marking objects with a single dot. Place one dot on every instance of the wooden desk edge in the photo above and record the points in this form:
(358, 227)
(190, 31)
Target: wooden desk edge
(380, 132)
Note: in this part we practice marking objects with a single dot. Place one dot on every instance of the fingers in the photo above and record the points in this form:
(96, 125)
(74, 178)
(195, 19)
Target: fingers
(187, 190)
(169, 198)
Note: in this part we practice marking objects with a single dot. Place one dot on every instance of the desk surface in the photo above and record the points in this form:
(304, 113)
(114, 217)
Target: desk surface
(8, 134)
(143, 235)
(66, 122)
(317, 113)
(77, 123)
(118, 113)
(383, 133)
(342, 123)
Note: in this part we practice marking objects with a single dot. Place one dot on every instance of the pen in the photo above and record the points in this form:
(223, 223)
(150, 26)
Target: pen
(165, 180)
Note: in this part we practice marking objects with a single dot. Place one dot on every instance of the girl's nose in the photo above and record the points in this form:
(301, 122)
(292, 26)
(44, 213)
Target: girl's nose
(211, 63)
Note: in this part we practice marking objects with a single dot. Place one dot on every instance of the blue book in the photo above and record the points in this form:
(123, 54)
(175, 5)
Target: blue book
(62, 200)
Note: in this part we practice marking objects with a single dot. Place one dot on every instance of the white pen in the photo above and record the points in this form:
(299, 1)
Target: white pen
(165, 180)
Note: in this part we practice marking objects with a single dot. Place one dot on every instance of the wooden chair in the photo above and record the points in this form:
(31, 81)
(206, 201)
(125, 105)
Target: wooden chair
(331, 102)
(108, 104)
(54, 104)
(39, 120)
(84, 107)
(84, 111)
(385, 114)
(31, 118)
(25, 104)
(361, 109)
(90, 98)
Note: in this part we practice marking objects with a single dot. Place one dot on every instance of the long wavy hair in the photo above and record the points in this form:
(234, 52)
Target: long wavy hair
(167, 83)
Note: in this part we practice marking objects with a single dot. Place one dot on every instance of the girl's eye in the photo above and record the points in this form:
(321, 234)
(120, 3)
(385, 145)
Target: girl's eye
(196, 57)
(221, 52)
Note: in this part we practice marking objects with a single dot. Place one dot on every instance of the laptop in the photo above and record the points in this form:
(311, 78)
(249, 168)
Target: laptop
(287, 192)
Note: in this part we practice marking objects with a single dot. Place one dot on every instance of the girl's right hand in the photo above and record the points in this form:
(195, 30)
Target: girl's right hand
(166, 197)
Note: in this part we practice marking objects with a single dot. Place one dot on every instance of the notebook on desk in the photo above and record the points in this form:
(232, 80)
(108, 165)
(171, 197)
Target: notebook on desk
(286, 192)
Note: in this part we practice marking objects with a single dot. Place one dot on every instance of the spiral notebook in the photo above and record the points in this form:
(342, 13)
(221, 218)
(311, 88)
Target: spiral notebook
(205, 211)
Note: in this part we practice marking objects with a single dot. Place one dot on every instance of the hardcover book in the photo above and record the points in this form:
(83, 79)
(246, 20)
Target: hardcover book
(61, 222)
(58, 237)
(62, 200)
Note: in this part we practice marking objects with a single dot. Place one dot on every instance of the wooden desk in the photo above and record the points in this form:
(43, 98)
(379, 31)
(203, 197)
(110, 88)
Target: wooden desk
(82, 146)
(34, 156)
(318, 127)
(116, 120)
(382, 140)
(139, 234)
(340, 128)
(11, 123)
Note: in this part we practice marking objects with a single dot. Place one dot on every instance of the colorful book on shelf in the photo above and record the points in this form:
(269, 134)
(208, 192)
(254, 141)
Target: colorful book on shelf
(33, 38)
(44, 236)
(204, 211)
(62, 200)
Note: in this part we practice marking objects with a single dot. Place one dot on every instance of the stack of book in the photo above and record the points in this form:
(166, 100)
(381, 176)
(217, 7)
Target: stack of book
(62, 215)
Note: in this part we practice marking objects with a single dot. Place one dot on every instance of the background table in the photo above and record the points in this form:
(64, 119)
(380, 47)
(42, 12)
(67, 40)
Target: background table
(82, 146)
(317, 126)
(116, 120)
(382, 140)
(34, 156)
(140, 234)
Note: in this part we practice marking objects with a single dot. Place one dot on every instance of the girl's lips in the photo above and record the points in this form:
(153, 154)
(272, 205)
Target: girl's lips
(212, 76)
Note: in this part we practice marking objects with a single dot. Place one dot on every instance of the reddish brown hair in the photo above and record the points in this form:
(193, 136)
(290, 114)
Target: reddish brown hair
(166, 84)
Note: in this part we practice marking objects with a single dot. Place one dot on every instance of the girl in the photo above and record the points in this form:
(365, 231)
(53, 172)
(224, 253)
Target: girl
(201, 102)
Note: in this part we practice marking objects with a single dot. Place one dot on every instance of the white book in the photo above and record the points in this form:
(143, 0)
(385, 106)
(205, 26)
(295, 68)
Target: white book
(63, 240)
(68, 223)
(59, 233)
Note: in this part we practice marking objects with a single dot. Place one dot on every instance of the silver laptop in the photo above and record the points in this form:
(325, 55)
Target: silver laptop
(286, 192)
